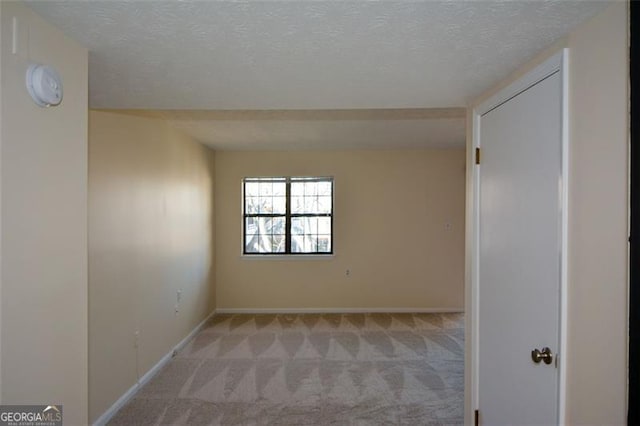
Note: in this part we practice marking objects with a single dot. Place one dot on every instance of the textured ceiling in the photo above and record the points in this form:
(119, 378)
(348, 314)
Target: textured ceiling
(306, 54)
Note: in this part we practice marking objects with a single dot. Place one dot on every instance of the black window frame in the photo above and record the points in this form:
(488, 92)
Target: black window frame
(288, 214)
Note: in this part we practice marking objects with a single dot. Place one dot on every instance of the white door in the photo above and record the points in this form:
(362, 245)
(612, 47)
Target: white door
(519, 263)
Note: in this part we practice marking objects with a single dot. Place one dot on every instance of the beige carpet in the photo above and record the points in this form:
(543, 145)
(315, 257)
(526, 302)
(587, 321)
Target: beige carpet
(334, 369)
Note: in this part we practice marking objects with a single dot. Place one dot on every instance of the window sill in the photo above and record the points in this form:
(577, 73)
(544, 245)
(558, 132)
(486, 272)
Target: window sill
(287, 256)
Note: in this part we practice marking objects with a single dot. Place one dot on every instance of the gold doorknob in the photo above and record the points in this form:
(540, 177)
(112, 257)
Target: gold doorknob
(545, 355)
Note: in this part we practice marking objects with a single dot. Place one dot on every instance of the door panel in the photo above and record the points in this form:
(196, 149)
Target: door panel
(520, 253)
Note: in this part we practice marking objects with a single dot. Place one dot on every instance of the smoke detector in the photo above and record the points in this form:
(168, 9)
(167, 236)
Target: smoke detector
(44, 85)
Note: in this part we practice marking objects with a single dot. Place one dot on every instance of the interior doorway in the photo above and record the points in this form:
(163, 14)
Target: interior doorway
(519, 251)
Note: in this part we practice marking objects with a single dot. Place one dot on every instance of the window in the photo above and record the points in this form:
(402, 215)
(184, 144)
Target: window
(288, 215)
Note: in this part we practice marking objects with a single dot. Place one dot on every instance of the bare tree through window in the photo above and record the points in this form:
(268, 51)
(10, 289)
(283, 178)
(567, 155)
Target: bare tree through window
(288, 215)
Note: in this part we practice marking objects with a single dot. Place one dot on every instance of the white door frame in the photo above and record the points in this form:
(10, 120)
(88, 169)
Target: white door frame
(556, 63)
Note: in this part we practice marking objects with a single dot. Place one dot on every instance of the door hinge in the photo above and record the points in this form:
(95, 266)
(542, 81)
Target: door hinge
(477, 155)
(476, 418)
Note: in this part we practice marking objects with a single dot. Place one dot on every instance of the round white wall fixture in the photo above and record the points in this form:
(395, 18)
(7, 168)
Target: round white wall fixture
(44, 85)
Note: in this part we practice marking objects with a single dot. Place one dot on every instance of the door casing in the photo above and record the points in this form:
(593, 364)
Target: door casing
(555, 63)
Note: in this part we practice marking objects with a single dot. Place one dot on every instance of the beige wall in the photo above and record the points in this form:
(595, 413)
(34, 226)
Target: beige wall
(598, 209)
(43, 192)
(150, 235)
(391, 208)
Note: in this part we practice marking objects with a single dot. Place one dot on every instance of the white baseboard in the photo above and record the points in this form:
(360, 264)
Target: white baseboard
(335, 310)
(111, 411)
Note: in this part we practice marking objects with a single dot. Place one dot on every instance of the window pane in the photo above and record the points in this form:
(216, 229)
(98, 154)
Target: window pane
(279, 189)
(310, 204)
(297, 204)
(256, 205)
(266, 188)
(304, 243)
(264, 234)
(310, 243)
(277, 243)
(297, 188)
(266, 205)
(311, 188)
(324, 188)
(313, 225)
(324, 243)
(252, 205)
(251, 189)
(277, 225)
(311, 197)
(297, 243)
(279, 205)
(252, 244)
(274, 205)
(311, 234)
(264, 244)
(324, 204)
(265, 225)
(297, 226)
(304, 225)
(324, 225)
(258, 198)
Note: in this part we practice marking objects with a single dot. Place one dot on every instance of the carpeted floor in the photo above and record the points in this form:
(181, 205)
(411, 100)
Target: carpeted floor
(311, 369)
